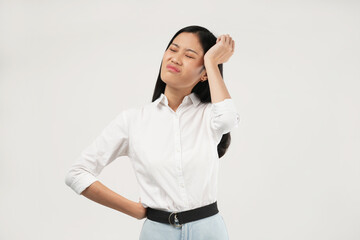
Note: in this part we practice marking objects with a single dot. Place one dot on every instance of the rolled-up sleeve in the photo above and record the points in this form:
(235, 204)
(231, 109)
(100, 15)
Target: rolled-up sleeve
(223, 118)
(112, 143)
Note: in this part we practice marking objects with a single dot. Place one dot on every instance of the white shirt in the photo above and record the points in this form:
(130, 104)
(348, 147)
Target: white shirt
(174, 154)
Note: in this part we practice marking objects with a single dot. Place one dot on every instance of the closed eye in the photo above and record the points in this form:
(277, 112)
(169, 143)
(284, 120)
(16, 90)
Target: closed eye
(175, 51)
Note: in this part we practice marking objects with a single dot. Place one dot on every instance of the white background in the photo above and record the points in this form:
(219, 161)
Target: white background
(67, 68)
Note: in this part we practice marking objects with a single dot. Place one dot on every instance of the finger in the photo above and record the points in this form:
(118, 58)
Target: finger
(222, 38)
(226, 38)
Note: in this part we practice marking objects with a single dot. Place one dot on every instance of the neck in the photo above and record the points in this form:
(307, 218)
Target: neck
(175, 96)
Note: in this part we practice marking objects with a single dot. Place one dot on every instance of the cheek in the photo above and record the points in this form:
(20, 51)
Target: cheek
(166, 55)
(195, 70)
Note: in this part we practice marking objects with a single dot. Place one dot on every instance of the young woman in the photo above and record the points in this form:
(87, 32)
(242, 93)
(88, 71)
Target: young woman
(174, 143)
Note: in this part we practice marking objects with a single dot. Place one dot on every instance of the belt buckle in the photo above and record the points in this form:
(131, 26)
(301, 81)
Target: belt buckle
(175, 216)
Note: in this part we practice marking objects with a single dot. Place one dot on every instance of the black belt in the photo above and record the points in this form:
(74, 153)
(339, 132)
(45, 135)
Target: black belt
(178, 218)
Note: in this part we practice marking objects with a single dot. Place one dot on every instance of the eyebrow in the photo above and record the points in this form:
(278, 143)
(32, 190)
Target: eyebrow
(186, 49)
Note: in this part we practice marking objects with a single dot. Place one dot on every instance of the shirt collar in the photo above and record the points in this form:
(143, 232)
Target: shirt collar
(191, 97)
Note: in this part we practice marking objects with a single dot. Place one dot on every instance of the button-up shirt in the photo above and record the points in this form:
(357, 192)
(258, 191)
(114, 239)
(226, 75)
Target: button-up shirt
(173, 153)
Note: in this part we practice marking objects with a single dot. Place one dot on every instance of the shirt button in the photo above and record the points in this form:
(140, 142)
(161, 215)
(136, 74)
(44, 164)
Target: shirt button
(177, 149)
(182, 185)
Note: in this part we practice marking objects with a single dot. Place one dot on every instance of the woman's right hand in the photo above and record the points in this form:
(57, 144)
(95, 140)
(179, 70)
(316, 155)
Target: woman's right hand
(140, 211)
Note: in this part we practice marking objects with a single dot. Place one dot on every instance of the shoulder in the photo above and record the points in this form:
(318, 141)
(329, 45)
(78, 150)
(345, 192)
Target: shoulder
(130, 114)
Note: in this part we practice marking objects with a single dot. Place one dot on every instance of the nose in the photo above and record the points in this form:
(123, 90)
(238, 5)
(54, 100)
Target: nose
(175, 60)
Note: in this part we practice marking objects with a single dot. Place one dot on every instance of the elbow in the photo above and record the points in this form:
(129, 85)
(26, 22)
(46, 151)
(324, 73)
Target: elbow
(69, 178)
(226, 122)
(79, 179)
(72, 178)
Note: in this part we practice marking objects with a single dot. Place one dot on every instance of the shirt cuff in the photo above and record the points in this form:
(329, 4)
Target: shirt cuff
(82, 181)
(225, 115)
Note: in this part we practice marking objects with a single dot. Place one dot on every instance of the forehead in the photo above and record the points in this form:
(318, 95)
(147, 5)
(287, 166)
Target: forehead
(188, 40)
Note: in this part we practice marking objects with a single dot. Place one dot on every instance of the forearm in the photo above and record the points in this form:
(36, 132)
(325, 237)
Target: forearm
(99, 193)
(218, 90)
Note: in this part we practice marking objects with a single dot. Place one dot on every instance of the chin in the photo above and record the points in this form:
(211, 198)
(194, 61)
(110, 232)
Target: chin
(168, 77)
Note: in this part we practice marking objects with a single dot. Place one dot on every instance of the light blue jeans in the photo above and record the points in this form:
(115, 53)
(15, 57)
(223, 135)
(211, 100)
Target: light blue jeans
(209, 228)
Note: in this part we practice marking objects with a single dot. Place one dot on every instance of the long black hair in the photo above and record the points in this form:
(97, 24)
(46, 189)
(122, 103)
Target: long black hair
(201, 89)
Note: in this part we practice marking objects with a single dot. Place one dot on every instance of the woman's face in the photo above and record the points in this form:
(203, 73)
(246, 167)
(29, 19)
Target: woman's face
(186, 54)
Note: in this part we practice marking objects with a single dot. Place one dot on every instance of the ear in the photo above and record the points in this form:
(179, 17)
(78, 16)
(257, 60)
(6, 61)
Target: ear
(203, 76)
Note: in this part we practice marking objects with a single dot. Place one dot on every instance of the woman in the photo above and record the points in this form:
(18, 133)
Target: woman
(174, 143)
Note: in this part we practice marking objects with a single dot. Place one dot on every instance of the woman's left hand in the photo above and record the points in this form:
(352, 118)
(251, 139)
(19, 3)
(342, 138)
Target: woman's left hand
(221, 51)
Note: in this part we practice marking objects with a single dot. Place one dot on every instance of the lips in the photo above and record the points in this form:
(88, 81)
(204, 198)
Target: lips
(172, 68)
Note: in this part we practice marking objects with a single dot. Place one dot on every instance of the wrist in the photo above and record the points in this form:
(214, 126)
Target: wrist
(209, 62)
(134, 209)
